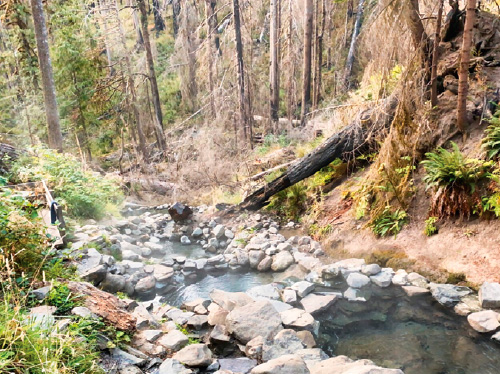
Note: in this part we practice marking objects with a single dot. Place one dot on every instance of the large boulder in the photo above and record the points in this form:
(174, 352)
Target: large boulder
(230, 300)
(289, 364)
(344, 365)
(489, 295)
(180, 212)
(303, 288)
(282, 261)
(298, 319)
(286, 342)
(485, 321)
(252, 320)
(357, 280)
(448, 294)
(315, 304)
(174, 340)
(196, 355)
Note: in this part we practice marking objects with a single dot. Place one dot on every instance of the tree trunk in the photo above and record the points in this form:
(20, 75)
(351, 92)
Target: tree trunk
(139, 40)
(160, 136)
(463, 72)
(244, 120)
(159, 23)
(435, 52)
(274, 75)
(209, 10)
(355, 139)
(420, 38)
(49, 89)
(176, 11)
(352, 48)
(131, 87)
(306, 74)
(103, 12)
(319, 56)
(291, 66)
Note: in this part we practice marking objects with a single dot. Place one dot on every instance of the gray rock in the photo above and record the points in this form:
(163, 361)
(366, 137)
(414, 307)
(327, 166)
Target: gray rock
(241, 365)
(312, 356)
(315, 304)
(196, 355)
(41, 293)
(417, 280)
(230, 300)
(382, 279)
(289, 364)
(152, 335)
(229, 234)
(255, 257)
(448, 294)
(130, 370)
(485, 321)
(489, 295)
(185, 240)
(145, 284)
(174, 340)
(357, 280)
(197, 322)
(253, 319)
(83, 312)
(219, 333)
(415, 291)
(172, 366)
(113, 283)
(303, 288)
(354, 294)
(265, 264)
(197, 232)
(298, 319)
(218, 231)
(253, 348)
(289, 296)
(343, 364)
(284, 247)
(370, 269)
(125, 359)
(268, 291)
(284, 343)
(282, 261)
(96, 274)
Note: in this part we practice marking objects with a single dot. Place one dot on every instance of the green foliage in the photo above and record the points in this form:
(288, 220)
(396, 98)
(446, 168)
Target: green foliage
(191, 340)
(93, 330)
(430, 226)
(83, 193)
(491, 204)
(456, 278)
(326, 175)
(447, 169)
(290, 202)
(491, 143)
(318, 231)
(392, 258)
(389, 222)
(28, 347)
(55, 268)
(60, 296)
(271, 140)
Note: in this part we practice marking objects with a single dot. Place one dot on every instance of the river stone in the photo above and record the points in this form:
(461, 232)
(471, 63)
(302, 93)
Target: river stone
(172, 366)
(344, 365)
(415, 291)
(197, 321)
(307, 338)
(229, 234)
(448, 294)
(242, 257)
(371, 269)
(217, 315)
(130, 370)
(241, 365)
(289, 296)
(298, 318)
(289, 364)
(197, 232)
(357, 280)
(303, 288)
(255, 257)
(162, 273)
(485, 321)
(130, 256)
(230, 300)
(417, 280)
(218, 231)
(329, 272)
(312, 356)
(41, 293)
(125, 359)
(315, 304)
(280, 306)
(145, 284)
(400, 278)
(252, 320)
(113, 283)
(196, 355)
(185, 240)
(219, 333)
(382, 279)
(174, 340)
(152, 335)
(268, 291)
(354, 294)
(282, 261)
(285, 342)
(191, 306)
(489, 295)
(96, 274)
(265, 264)
(496, 337)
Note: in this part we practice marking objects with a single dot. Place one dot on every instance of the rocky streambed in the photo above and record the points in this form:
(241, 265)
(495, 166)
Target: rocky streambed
(239, 297)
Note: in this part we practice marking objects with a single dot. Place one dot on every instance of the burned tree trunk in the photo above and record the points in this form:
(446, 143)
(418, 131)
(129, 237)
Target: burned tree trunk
(355, 139)
(435, 56)
(159, 23)
(306, 72)
(354, 39)
(274, 73)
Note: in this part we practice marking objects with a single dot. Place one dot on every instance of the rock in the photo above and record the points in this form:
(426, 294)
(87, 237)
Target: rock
(172, 366)
(285, 342)
(82, 312)
(303, 288)
(282, 261)
(197, 232)
(174, 340)
(265, 264)
(253, 348)
(196, 355)
(467, 305)
(252, 320)
(344, 365)
(152, 335)
(229, 234)
(400, 278)
(357, 280)
(485, 321)
(312, 356)
(96, 274)
(382, 279)
(255, 257)
(370, 269)
(217, 315)
(219, 333)
(113, 283)
(197, 322)
(289, 296)
(289, 364)
(43, 316)
(41, 293)
(315, 304)
(180, 212)
(489, 295)
(417, 280)
(496, 337)
(162, 273)
(230, 300)
(268, 291)
(415, 291)
(178, 316)
(329, 272)
(125, 359)
(297, 318)
(145, 284)
(307, 338)
(185, 240)
(284, 247)
(354, 294)
(130, 370)
(240, 365)
(191, 306)
(448, 294)
(218, 231)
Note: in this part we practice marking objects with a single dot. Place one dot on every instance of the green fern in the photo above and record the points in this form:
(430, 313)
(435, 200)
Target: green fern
(491, 143)
(389, 222)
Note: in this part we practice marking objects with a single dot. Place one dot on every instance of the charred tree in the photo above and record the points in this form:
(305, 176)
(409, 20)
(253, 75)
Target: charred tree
(49, 90)
(209, 10)
(274, 75)
(357, 138)
(463, 71)
(435, 55)
(176, 11)
(159, 22)
(354, 39)
(307, 65)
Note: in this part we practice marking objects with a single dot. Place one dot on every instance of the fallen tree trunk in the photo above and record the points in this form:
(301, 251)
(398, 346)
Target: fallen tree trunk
(354, 140)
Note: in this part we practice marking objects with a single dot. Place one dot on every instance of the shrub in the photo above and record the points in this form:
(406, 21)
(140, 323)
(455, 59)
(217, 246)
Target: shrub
(60, 296)
(491, 143)
(289, 203)
(456, 181)
(389, 222)
(83, 193)
(430, 226)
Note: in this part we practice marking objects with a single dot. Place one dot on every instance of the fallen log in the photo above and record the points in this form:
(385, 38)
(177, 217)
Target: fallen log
(354, 140)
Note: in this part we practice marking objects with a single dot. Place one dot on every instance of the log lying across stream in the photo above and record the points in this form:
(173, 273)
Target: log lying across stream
(355, 139)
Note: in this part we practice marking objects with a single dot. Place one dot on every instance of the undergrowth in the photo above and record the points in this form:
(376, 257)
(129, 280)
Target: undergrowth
(389, 222)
